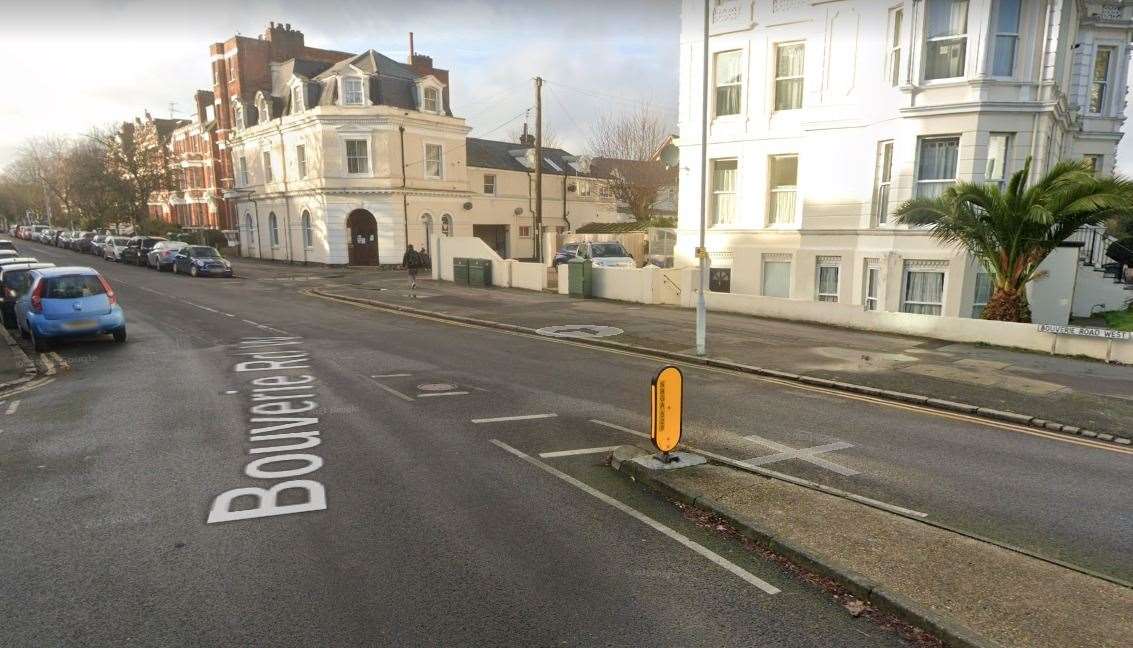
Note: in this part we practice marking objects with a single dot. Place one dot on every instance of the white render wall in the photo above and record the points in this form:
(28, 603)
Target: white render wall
(849, 106)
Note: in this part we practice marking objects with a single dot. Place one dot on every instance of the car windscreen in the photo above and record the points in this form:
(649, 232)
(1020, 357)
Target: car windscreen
(72, 287)
(203, 252)
(7, 245)
(608, 250)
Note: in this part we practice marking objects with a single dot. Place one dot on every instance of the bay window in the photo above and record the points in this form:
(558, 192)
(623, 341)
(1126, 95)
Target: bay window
(1099, 79)
(1006, 37)
(936, 168)
(998, 148)
(946, 39)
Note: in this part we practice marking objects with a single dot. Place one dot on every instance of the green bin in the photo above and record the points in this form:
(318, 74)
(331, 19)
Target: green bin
(580, 275)
(460, 271)
(479, 272)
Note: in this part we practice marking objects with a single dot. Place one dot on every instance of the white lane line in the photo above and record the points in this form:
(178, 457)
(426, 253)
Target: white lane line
(13, 407)
(228, 314)
(580, 451)
(451, 393)
(525, 417)
(645, 519)
(395, 392)
(246, 321)
(743, 465)
(211, 310)
(391, 376)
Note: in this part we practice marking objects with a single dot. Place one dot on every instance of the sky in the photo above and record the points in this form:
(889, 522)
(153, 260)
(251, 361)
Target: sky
(97, 63)
(114, 60)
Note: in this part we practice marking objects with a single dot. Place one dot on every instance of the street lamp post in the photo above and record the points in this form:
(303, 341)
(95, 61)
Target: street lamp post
(701, 252)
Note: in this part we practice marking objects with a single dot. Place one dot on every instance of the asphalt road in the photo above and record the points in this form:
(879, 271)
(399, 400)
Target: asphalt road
(435, 532)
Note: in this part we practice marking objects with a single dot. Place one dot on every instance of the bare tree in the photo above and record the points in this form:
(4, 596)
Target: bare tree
(623, 147)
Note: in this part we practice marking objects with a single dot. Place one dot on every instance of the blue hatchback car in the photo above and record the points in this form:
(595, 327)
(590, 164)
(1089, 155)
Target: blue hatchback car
(68, 302)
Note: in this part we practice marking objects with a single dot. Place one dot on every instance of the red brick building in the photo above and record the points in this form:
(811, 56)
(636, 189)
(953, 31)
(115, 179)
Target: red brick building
(241, 66)
(196, 199)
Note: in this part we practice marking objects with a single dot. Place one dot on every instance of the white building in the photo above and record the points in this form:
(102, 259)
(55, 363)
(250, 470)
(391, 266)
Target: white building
(826, 115)
(345, 163)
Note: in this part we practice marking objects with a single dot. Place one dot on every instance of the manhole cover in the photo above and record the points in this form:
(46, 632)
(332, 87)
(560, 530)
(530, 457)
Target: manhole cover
(580, 331)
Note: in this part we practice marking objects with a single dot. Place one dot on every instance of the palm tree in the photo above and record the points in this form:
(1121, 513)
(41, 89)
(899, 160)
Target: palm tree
(1011, 231)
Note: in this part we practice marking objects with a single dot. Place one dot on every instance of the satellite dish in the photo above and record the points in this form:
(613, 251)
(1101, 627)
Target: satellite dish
(468, 205)
(518, 211)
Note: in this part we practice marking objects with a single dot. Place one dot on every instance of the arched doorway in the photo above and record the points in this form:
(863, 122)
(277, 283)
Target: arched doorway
(362, 238)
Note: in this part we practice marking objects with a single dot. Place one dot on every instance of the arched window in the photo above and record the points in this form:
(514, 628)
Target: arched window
(273, 227)
(308, 235)
(446, 225)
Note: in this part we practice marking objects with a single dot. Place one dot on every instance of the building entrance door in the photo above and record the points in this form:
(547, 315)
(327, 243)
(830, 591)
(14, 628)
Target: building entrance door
(362, 238)
(494, 235)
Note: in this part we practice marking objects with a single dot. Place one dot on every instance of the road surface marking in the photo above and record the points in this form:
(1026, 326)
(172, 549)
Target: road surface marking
(228, 314)
(211, 310)
(893, 508)
(580, 451)
(247, 321)
(645, 519)
(620, 428)
(965, 418)
(448, 393)
(784, 453)
(13, 407)
(402, 375)
(395, 392)
(525, 417)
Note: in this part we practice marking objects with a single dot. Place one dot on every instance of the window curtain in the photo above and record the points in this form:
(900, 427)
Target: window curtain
(777, 279)
(724, 175)
(924, 292)
(1007, 36)
(947, 29)
(789, 91)
(728, 83)
(938, 159)
(984, 289)
(827, 283)
(947, 18)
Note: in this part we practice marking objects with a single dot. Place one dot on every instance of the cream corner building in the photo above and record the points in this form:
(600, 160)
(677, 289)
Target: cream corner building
(346, 163)
(826, 115)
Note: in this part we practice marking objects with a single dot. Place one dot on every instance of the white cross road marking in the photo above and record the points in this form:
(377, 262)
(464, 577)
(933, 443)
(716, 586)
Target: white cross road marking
(436, 387)
(13, 407)
(395, 392)
(525, 417)
(580, 451)
(700, 549)
(400, 375)
(803, 454)
(448, 393)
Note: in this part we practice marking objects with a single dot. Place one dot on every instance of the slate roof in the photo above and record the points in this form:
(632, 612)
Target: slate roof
(612, 228)
(644, 172)
(493, 154)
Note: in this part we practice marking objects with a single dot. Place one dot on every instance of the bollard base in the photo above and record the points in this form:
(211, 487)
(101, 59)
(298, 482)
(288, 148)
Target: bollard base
(675, 460)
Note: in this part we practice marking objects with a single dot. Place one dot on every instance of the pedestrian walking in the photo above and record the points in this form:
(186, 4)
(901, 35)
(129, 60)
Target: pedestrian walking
(411, 262)
(426, 262)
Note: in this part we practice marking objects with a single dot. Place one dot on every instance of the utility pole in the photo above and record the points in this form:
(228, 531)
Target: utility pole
(539, 169)
(701, 252)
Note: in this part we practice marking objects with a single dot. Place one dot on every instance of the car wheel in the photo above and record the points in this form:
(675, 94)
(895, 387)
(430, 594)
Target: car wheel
(120, 335)
(193, 271)
(38, 343)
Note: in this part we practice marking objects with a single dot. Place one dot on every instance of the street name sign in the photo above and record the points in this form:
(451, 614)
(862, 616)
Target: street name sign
(1108, 334)
(665, 411)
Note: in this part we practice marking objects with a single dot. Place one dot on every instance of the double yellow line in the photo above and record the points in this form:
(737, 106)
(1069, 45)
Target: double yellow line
(956, 416)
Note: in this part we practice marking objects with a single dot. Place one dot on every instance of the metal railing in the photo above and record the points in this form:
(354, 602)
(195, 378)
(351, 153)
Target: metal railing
(1097, 243)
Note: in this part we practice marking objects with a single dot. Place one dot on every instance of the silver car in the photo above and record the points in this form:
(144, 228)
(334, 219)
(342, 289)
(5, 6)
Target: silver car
(112, 247)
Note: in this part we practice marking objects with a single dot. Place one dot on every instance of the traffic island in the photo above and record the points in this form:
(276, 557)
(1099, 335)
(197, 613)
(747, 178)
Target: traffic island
(964, 591)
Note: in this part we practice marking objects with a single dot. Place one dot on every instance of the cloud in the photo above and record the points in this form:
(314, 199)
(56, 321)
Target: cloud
(119, 59)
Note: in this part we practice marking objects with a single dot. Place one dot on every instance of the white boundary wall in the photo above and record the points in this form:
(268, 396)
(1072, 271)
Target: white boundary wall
(651, 285)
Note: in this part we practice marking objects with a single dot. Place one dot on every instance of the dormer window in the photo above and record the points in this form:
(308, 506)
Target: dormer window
(297, 99)
(353, 91)
(431, 100)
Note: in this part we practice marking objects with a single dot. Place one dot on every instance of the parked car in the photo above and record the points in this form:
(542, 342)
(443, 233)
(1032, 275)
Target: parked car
(63, 238)
(68, 302)
(112, 247)
(9, 260)
(96, 244)
(608, 254)
(161, 254)
(15, 281)
(82, 243)
(6, 244)
(565, 253)
(8, 254)
(201, 260)
(136, 250)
